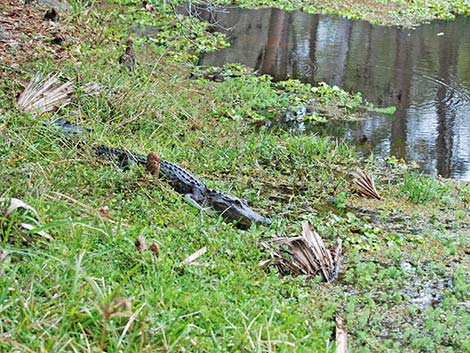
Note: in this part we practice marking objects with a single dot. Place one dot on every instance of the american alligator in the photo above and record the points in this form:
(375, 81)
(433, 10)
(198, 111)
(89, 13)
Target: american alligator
(196, 192)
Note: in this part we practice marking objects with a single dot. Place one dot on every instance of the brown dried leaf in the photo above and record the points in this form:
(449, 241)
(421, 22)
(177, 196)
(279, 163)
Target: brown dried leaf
(104, 211)
(365, 185)
(155, 249)
(305, 255)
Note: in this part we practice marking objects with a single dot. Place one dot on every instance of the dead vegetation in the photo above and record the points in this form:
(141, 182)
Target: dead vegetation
(304, 255)
(365, 185)
(153, 164)
(25, 35)
(341, 335)
(44, 94)
(25, 229)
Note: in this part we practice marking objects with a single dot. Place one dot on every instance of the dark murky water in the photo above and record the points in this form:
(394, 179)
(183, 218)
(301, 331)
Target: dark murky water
(425, 73)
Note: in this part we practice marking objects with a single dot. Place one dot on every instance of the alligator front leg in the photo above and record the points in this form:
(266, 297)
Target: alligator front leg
(192, 200)
(198, 198)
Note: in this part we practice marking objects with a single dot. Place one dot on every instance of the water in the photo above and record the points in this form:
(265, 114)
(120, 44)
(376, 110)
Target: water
(425, 73)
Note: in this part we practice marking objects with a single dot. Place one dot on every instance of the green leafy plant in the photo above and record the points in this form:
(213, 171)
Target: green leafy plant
(422, 188)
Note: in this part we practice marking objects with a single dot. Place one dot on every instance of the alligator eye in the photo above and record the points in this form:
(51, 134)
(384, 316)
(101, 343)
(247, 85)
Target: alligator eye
(237, 202)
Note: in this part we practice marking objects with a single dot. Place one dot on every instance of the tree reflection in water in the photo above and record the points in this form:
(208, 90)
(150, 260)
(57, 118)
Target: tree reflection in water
(425, 73)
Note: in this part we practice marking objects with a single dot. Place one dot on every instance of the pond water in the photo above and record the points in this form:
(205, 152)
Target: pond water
(424, 72)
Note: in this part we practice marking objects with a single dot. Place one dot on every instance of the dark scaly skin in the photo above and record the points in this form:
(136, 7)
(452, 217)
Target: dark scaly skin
(186, 183)
(235, 209)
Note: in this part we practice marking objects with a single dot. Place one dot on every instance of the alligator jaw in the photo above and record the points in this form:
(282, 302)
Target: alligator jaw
(247, 220)
(234, 209)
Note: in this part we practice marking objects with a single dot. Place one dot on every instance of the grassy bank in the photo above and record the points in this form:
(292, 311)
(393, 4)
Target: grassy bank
(384, 12)
(404, 284)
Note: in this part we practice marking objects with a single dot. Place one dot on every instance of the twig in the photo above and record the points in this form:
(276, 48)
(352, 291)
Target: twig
(90, 209)
(190, 259)
(129, 323)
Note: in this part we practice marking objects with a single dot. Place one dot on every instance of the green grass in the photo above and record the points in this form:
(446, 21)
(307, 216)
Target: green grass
(422, 188)
(90, 290)
(382, 12)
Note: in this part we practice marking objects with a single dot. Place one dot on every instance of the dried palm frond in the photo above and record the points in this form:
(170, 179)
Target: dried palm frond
(304, 255)
(365, 185)
(44, 94)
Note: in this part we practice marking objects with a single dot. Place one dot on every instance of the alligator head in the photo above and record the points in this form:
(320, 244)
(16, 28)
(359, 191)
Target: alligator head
(295, 114)
(234, 209)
